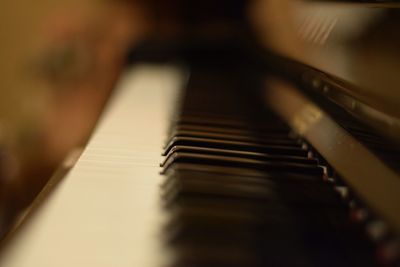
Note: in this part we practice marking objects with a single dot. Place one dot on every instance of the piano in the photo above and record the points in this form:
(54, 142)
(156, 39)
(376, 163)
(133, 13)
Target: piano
(218, 151)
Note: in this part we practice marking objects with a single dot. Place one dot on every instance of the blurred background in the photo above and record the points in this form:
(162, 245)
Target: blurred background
(61, 59)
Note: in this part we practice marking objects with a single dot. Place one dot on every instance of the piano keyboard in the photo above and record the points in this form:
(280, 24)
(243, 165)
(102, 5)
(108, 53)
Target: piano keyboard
(236, 186)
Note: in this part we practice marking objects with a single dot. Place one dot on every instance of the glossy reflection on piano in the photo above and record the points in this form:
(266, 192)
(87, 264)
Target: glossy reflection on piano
(234, 133)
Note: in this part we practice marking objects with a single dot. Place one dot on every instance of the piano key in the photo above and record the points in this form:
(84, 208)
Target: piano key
(267, 166)
(271, 189)
(234, 172)
(240, 154)
(235, 145)
(233, 131)
(183, 171)
(279, 139)
(244, 123)
(220, 129)
(284, 185)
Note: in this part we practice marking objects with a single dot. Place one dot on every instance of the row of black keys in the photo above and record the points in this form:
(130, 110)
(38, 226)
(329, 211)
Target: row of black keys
(240, 196)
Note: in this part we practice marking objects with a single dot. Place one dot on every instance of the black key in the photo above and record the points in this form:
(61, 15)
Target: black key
(267, 166)
(240, 154)
(271, 189)
(272, 139)
(235, 145)
(227, 130)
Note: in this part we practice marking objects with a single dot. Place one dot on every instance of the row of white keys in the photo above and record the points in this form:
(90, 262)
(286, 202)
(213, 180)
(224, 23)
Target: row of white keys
(106, 211)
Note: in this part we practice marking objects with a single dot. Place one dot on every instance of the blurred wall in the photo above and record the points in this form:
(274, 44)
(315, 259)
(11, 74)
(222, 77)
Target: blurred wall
(25, 27)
